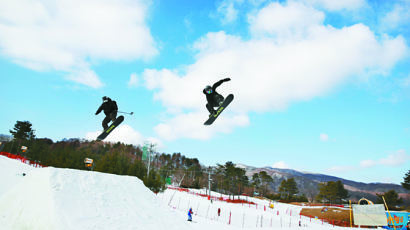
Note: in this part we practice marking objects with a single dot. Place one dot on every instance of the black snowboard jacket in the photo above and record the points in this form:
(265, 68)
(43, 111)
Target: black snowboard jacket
(214, 96)
(108, 107)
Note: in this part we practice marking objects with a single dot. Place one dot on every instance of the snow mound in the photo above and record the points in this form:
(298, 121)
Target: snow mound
(11, 173)
(67, 199)
(52, 198)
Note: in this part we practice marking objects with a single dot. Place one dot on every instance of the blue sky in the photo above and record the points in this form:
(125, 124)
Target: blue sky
(320, 86)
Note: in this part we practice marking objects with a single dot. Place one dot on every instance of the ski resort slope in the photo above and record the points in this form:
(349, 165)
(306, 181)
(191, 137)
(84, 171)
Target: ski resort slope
(11, 173)
(241, 216)
(52, 198)
(67, 199)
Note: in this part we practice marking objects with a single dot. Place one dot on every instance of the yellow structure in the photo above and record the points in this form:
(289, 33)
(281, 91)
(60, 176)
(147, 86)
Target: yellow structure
(366, 200)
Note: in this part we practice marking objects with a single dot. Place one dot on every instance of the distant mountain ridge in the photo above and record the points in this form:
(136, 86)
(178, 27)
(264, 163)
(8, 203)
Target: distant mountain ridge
(307, 183)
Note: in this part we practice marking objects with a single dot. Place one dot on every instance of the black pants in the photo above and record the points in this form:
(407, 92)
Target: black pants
(111, 117)
(210, 105)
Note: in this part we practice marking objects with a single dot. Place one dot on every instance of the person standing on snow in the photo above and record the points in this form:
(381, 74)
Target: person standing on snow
(110, 110)
(190, 214)
(214, 99)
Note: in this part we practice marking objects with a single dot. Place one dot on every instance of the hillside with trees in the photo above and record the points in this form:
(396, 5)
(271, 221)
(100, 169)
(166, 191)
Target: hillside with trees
(122, 159)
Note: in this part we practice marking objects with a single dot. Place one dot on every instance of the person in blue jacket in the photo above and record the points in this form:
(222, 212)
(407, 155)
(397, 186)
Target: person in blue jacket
(190, 214)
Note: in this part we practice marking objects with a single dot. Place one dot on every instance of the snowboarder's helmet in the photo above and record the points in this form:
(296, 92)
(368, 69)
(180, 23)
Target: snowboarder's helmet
(105, 98)
(208, 89)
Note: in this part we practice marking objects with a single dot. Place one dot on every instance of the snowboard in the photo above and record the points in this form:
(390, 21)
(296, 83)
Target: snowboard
(110, 128)
(221, 108)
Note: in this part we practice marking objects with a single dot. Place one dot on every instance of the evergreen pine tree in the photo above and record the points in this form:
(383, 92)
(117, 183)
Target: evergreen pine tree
(256, 181)
(292, 187)
(391, 197)
(406, 182)
(23, 131)
(288, 188)
(266, 180)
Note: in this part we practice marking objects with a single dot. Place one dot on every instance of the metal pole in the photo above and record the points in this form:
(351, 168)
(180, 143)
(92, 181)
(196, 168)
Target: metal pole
(149, 161)
(350, 211)
(209, 181)
(391, 219)
(151, 147)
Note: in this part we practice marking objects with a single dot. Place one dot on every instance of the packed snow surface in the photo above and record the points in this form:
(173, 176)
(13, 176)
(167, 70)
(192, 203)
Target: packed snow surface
(54, 198)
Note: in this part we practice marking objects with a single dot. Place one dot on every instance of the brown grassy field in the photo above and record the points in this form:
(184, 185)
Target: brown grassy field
(336, 216)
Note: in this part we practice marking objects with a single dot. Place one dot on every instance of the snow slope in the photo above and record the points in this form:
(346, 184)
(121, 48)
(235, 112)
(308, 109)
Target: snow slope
(11, 173)
(241, 216)
(52, 198)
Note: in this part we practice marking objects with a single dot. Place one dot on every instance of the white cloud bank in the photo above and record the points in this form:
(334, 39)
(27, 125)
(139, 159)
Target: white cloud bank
(293, 20)
(277, 66)
(227, 11)
(398, 17)
(396, 159)
(337, 5)
(125, 134)
(280, 165)
(341, 169)
(133, 82)
(190, 125)
(68, 35)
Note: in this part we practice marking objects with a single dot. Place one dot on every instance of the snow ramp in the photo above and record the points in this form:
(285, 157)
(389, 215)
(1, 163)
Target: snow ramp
(52, 198)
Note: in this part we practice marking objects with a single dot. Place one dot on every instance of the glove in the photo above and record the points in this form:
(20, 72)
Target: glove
(96, 113)
(227, 79)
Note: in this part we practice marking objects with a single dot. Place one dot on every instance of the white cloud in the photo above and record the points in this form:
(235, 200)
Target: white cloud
(68, 35)
(226, 9)
(85, 77)
(125, 134)
(339, 169)
(368, 163)
(133, 82)
(293, 20)
(158, 143)
(280, 165)
(268, 75)
(395, 159)
(337, 5)
(398, 158)
(279, 74)
(324, 137)
(399, 16)
(190, 125)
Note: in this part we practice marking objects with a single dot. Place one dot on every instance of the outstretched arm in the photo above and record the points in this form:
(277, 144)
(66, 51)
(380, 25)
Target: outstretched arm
(99, 110)
(218, 83)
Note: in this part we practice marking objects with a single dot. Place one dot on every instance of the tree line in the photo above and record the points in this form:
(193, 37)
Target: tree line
(123, 159)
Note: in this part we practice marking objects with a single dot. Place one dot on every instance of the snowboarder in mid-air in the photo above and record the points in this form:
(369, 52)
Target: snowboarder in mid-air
(110, 110)
(215, 99)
